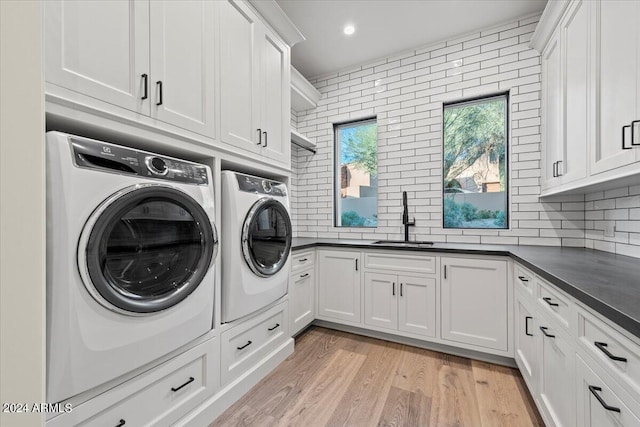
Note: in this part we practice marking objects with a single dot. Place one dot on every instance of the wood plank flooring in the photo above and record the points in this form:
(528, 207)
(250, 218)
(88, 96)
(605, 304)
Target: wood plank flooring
(340, 379)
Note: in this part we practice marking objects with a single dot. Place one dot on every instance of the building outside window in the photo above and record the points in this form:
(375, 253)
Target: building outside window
(356, 174)
(475, 168)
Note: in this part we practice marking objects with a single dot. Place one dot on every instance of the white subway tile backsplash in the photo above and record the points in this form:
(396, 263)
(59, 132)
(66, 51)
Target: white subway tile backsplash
(405, 92)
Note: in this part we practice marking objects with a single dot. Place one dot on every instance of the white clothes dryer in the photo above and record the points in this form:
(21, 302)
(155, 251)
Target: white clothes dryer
(256, 242)
(130, 249)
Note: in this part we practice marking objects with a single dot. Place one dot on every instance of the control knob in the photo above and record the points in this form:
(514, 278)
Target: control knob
(157, 166)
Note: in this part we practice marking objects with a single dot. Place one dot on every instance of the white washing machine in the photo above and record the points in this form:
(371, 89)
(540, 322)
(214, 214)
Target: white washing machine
(256, 242)
(130, 249)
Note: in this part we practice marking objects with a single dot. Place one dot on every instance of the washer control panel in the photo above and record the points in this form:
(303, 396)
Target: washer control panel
(115, 158)
(254, 184)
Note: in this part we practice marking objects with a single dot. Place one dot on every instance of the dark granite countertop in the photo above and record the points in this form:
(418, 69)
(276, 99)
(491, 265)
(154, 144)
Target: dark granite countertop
(607, 283)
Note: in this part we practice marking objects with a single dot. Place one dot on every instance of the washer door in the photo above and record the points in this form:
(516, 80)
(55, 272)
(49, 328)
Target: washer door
(266, 237)
(146, 248)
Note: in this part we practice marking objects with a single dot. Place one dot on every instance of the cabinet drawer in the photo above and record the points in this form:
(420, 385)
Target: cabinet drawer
(302, 260)
(406, 263)
(594, 392)
(607, 347)
(557, 305)
(158, 397)
(245, 345)
(524, 280)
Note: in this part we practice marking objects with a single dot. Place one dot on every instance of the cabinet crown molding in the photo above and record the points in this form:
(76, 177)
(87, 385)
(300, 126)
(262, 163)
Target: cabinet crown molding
(275, 16)
(548, 22)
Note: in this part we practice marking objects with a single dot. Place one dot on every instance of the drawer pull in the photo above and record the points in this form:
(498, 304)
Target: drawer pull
(593, 390)
(624, 147)
(145, 84)
(545, 333)
(601, 346)
(245, 346)
(302, 260)
(121, 423)
(304, 275)
(548, 301)
(273, 328)
(191, 379)
(524, 279)
(526, 325)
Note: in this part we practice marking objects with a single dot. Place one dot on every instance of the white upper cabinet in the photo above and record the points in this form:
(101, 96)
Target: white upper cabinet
(276, 97)
(239, 64)
(154, 58)
(552, 110)
(618, 83)
(182, 64)
(577, 41)
(100, 49)
(255, 85)
(591, 92)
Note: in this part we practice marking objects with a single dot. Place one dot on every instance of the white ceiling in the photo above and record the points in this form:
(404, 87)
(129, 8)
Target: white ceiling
(385, 27)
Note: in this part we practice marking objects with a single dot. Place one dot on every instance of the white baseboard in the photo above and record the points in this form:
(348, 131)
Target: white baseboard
(208, 411)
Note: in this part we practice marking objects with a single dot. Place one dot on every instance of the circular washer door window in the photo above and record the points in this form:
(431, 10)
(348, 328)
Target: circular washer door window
(266, 237)
(149, 248)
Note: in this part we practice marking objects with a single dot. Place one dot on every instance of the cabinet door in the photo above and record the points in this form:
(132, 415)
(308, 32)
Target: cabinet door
(99, 49)
(417, 305)
(276, 97)
(578, 111)
(301, 297)
(591, 412)
(339, 286)
(475, 302)
(380, 300)
(552, 111)
(617, 74)
(239, 71)
(557, 381)
(526, 347)
(182, 61)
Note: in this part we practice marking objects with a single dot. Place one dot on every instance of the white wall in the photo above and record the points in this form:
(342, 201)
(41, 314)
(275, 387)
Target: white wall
(406, 92)
(22, 211)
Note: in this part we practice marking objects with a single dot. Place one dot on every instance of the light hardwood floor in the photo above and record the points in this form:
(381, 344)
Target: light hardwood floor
(340, 379)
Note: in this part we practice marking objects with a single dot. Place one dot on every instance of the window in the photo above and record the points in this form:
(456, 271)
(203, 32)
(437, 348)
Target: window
(356, 174)
(475, 163)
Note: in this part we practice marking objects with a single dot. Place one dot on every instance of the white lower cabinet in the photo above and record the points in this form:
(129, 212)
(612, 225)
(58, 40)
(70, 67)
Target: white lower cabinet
(601, 403)
(301, 299)
(584, 376)
(526, 343)
(339, 286)
(246, 344)
(557, 365)
(158, 397)
(475, 302)
(400, 302)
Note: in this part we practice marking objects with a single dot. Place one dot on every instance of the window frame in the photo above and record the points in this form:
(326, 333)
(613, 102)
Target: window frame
(336, 168)
(506, 95)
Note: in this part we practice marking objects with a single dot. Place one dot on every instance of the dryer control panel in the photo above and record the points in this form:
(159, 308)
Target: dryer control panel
(103, 156)
(254, 184)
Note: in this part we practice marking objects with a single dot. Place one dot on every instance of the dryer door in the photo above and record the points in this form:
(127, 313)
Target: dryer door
(266, 237)
(146, 248)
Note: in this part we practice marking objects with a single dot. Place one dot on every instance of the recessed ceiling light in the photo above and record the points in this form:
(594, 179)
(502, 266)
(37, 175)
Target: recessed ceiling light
(349, 29)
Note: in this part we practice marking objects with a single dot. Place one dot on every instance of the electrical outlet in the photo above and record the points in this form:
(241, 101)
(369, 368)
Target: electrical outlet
(610, 229)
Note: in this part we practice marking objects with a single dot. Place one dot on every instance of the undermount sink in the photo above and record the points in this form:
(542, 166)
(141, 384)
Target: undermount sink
(410, 243)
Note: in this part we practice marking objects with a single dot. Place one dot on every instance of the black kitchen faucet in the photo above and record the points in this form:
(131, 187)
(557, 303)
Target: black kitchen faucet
(405, 217)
